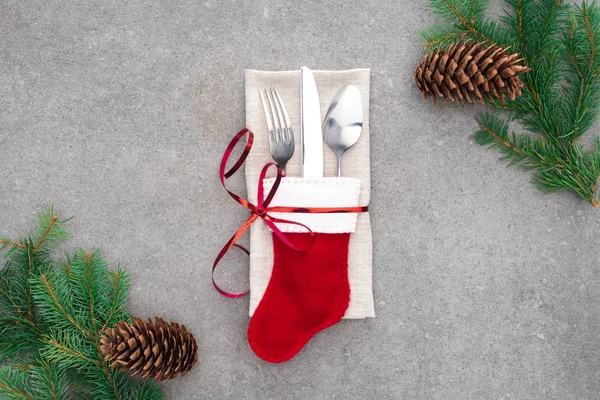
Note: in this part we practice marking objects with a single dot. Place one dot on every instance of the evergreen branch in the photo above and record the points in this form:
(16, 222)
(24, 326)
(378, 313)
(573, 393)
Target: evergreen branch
(53, 390)
(107, 374)
(498, 137)
(468, 25)
(582, 90)
(577, 84)
(103, 365)
(555, 11)
(467, 16)
(6, 242)
(59, 306)
(534, 23)
(145, 391)
(50, 315)
(9, 298)
(575, 178)
(14, 392)
(555, 170)
(29, 296)
(71, 352)
(49, 231)
(579, 110)
(14, 281)
(585, 15)
(46, 233)
(88, 259)
(553, 14)
(14, 383)
(19, 337)
(561, 95)
(92, 284)
(47, 381)
(113, 304)
(463, 20)
(520, 24)
(570, 47)
(121, 283)
(441, 36)
(518, 149)
(518, 6)
(504, 142)
(538, 89)
(86, 364)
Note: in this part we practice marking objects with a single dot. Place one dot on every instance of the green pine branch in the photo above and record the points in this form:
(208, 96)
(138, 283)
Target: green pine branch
(52, 314)
(517, 149)
(560, 100)
(42, 381)
(582, 92)
(15, 383)
(463, 19)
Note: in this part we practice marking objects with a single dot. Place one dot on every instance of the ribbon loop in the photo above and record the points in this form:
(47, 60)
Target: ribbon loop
(262, 209)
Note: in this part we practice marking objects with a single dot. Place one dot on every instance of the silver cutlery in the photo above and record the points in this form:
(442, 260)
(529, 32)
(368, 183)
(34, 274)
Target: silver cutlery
(343, 122)
(281, 135)
(312, 134)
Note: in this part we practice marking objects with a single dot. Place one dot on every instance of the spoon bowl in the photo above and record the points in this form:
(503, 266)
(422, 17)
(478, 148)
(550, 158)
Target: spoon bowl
(343, 122)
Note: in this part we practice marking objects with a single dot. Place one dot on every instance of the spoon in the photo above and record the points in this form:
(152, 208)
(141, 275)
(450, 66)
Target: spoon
(343, 122)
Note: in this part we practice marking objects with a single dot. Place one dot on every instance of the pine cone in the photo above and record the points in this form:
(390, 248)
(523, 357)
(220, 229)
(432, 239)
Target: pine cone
(467, 70)
(158, 349)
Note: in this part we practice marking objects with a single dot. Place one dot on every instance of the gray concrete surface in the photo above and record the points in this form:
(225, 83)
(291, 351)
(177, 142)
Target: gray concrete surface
(118, 112)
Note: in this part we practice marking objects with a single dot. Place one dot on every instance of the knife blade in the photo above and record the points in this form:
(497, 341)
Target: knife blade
(311, 125)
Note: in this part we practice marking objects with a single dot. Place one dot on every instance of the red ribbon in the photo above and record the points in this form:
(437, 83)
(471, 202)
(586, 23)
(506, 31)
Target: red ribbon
(262, 209)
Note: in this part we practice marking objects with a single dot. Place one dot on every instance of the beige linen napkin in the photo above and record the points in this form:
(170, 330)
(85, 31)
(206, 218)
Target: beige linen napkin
(355, 164)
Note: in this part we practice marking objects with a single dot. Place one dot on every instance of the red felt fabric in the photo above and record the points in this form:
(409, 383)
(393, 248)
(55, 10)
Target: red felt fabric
(308, 292)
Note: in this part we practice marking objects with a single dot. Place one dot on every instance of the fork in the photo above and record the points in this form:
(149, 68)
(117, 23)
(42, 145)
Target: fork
(281, 135)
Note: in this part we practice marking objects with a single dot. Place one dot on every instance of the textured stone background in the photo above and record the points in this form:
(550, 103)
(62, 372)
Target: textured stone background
(118, 111)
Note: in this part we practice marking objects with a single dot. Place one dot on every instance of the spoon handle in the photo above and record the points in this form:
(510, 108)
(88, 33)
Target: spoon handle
(339, 164)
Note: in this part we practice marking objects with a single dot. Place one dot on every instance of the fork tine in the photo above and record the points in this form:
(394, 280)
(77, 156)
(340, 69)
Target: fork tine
(286, 117)
(281, 136)
(268, 115)
(276, 118)
(279, 113)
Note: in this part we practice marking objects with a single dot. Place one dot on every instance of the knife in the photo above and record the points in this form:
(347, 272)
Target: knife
(312, 135)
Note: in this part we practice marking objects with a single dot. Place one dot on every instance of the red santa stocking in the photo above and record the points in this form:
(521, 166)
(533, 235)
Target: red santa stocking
(308, 292)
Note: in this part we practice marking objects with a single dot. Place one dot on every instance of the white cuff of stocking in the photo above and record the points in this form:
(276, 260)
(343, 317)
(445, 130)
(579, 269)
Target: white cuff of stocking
(315, 192)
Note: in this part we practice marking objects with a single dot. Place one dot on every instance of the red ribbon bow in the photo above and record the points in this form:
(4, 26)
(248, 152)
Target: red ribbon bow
(262, 209)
